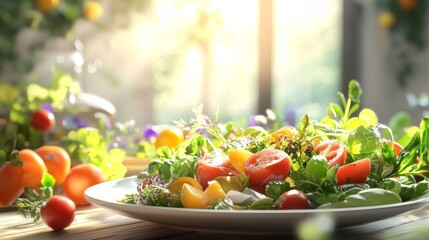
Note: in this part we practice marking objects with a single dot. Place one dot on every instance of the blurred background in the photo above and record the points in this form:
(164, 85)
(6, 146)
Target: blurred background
(153, 61)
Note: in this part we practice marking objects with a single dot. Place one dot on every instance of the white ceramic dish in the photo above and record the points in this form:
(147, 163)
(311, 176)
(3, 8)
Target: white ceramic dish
(223, 221)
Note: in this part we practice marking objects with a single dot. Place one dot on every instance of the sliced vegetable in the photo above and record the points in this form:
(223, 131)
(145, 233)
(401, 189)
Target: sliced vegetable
(355, 172)
(211, 167)
(267, 165)
(238, 158)
(191, 197)
(212, 193)
(334, 151)
(177, 184)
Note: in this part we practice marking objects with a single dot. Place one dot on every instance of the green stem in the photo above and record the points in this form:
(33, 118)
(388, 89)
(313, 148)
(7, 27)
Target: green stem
(347, 110)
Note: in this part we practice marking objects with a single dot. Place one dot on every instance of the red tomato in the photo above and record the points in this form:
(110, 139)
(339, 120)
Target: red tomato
(267, 165)
(292, 199)
(211, 167)
(58, 213)
(12, 184)
(79, 179)
(334, 151)
(355, 172)
(57, 162)
(42, 120)
(33, 168)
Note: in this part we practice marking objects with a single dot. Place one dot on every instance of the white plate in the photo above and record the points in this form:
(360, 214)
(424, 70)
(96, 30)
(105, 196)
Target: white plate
(250, 222)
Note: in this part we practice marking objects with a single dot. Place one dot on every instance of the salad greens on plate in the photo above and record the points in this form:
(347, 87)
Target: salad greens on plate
(347, 159)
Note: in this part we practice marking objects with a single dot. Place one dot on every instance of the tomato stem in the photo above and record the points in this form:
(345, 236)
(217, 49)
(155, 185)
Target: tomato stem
(14, 159)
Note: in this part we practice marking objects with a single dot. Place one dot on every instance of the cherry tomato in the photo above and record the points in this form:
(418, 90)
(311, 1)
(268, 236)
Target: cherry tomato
(355, 172)
(211, 167)
(57, 162)
(397, 148)
(12, 184)
(267, 165)
(58, 213)
(334, 151)
(33, 168)
(42, 120)
(79, 179)
(292, 199)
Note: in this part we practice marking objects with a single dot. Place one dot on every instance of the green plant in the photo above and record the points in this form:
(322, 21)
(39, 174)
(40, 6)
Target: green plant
(406, 18)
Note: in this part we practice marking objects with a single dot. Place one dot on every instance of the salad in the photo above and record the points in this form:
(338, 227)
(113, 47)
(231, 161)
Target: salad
(347, 159)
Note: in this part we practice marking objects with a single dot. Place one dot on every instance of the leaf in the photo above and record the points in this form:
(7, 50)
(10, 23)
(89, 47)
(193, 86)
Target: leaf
(363, 141)
(342, 98)
(316, 169)
(369, 117)
(408, 155)
(424, 140)
(337, 109)
(47, 180)
(355, 91)
(276, 188)
(354, 108)
(303, 124)
(368, 197)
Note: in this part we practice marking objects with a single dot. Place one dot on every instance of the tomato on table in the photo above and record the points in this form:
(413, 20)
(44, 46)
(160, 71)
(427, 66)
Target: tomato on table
(42, 120)
(355, 172)
(33, 168)
(12, 183)
(58, 213)
(79, 179)
(267, 165)
(211, 167)
(57, 162)
(293, 199)
(334, 151)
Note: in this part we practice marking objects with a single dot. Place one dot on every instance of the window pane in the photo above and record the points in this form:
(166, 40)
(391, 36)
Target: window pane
(218, 65)
(306, 65)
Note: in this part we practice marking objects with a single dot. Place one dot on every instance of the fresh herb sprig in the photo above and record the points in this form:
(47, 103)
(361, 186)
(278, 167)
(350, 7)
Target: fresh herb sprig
(33, 200)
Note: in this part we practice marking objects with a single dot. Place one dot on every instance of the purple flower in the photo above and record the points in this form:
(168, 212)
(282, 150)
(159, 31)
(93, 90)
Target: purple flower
(149, 132)
(290, 116)
(103, 117)
(257, 120)
(79, 122)
(47, 107)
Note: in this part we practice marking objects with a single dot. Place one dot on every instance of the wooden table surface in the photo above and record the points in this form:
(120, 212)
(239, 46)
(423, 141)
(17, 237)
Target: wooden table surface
(93, 222)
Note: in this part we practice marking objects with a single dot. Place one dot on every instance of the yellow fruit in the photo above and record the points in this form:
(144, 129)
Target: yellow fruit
(170, 137)
(191, 197)
(407, 5)
(212, 193)
(46, 5)
(283, 132)
(386, 19)
(92, 10)
(177, 184)
(238, 158)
